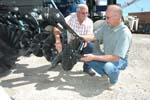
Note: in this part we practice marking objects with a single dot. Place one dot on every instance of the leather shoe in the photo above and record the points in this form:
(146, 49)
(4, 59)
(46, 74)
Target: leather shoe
(111, 87)
(89, 71)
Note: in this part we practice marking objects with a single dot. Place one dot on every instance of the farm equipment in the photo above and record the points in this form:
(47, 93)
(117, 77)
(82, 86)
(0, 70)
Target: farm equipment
(22, 34)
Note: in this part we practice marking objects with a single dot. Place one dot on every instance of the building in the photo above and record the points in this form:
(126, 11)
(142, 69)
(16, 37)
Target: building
(144, 21)
(143, 17)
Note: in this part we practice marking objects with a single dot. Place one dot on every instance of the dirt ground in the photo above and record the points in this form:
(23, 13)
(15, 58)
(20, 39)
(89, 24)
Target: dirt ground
(31, 80)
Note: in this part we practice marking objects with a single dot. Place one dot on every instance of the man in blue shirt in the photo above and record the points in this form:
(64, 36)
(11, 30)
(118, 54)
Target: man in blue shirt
(116, 39)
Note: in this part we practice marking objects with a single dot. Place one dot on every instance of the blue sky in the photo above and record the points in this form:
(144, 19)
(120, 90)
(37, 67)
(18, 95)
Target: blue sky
(139, 6)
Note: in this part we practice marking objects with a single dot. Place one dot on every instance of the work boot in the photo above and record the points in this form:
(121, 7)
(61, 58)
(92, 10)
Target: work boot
(89, 71)
(111, 86)
(104, 78)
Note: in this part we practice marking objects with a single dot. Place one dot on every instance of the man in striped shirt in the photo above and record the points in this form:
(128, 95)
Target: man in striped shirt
(82, 25)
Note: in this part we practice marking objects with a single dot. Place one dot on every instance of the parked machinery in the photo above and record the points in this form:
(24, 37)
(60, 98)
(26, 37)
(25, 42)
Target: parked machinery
(22, 34)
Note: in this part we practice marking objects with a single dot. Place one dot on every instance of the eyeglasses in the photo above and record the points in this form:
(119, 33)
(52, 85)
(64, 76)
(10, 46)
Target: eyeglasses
(84, 13)
(110, 17)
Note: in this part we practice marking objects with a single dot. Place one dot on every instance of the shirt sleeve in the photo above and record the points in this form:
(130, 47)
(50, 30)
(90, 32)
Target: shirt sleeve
(122, 45)
(99, 32)
(69, 17)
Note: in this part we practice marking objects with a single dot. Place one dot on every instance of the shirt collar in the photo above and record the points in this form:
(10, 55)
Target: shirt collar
(117, 27)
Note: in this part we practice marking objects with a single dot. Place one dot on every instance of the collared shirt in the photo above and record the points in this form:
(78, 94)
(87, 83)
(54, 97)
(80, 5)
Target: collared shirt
(116, 41)
(81, 29)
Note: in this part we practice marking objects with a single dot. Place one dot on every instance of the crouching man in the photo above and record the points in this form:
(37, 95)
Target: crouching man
(116, 39)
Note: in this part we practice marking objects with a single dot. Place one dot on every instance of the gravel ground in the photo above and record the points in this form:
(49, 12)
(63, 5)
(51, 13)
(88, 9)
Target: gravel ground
(31, 80)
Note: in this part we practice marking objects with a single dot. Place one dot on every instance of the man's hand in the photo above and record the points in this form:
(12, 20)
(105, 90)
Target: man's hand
(87, 57)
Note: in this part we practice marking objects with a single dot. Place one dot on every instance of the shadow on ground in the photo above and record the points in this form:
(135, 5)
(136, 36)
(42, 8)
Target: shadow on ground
(76, 81)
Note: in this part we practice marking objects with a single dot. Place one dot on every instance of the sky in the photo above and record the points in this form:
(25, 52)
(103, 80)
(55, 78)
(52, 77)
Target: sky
(139, 6)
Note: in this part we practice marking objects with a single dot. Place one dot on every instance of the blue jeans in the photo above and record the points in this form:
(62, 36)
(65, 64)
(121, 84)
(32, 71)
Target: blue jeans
(111, 69)
(88, 49)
